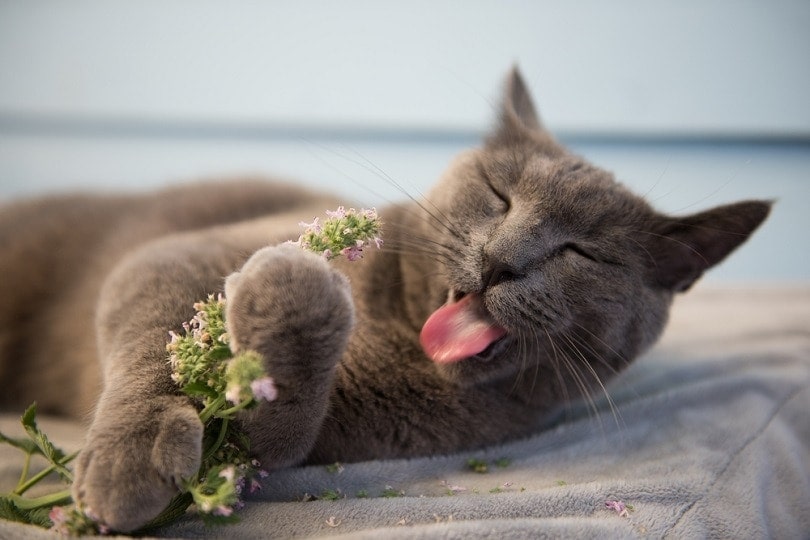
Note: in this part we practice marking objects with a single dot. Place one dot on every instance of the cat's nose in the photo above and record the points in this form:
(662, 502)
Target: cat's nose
(499, 272)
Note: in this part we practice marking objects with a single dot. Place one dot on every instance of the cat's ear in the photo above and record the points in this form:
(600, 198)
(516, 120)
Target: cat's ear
(683, 248)
(519, 121)
(517, 108)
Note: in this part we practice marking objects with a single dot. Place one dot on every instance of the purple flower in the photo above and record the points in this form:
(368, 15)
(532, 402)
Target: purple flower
(264, 388)
(618, 506)
(222, 510)
(59, 518)
(352, 253)
(315, 226)
(339, 213)
(239, 485)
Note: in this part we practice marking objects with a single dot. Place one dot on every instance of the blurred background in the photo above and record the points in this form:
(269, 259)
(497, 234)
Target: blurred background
(692, 103)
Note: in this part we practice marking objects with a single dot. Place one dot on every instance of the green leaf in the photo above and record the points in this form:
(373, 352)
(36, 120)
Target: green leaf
(53, 454)
(477, 465)
(37, 516)
(26, 445)
(330, 495)
(220, 353)
(10, 512)
(198, 388)
(503, 462)
(390, 493)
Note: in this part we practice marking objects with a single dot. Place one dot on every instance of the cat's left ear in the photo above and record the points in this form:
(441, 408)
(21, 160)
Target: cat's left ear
(683, 248)
(519, 121)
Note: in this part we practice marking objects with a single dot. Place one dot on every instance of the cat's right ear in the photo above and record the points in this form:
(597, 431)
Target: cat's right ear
(517, 108)
(519, 121)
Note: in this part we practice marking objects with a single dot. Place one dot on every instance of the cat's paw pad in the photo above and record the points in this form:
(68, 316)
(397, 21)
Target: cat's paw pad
(132, 466)
(288, 302)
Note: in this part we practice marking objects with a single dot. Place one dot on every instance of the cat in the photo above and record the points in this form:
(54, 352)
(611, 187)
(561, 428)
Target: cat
(526, 279)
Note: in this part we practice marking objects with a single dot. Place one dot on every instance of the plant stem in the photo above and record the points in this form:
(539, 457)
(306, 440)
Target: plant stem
(43, 473)
(223, 430)
(24, 473)
(212, 408)
(227, 413)
(52, 499)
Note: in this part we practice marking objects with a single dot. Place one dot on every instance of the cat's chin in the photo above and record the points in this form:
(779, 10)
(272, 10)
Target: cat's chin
(493, 363)
(492, 352)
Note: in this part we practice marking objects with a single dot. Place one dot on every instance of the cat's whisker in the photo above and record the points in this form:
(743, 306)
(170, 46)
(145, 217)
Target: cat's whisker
(611, 404)
(362, 161)
(535, 361)
(596, 353)
(398, 282)
(679, 242)
(427, 217)
(581, 384)
(643, 248)
(434, 256)
(350, 178)
(415, 243)
(522, 355)
(556, 364)
(373, 167)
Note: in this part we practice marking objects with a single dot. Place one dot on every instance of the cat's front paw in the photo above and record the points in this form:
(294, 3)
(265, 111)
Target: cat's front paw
(291, 306)
(135, 460)
(294, 309)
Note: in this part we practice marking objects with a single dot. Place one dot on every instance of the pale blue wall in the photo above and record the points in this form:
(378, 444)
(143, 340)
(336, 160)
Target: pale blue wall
(622, 65)
(694, 102)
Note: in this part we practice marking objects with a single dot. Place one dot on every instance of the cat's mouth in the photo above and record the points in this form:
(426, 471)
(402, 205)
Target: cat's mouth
(462, 328)
(493, 350)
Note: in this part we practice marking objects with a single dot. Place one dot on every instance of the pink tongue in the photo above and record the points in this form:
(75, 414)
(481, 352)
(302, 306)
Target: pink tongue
(458, 330)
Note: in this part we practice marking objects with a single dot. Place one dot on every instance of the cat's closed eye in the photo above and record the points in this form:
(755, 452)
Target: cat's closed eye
(502, 196)
(494, 201)
(577, 249)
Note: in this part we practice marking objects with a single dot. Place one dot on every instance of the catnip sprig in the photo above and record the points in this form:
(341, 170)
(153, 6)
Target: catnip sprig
(345, 232)
(204, 368)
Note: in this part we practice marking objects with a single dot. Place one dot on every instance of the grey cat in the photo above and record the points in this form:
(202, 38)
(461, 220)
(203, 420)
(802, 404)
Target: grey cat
(528, 278)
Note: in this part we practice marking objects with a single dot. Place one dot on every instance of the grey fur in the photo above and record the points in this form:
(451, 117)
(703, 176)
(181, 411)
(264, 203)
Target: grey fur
(580, 271)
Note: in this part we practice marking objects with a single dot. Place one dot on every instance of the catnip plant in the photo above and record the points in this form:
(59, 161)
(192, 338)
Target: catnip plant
(221, 383)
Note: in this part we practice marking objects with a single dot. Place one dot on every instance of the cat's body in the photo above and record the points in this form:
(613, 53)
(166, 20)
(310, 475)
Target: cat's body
(562, 276)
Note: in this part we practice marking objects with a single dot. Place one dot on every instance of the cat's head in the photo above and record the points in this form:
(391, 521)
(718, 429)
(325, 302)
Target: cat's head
(535, 262)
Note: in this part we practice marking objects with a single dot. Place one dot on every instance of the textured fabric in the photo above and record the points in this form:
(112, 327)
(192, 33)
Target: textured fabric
(708, 435)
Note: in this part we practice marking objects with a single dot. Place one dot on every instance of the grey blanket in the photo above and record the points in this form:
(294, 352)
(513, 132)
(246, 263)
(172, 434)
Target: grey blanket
(708, 435)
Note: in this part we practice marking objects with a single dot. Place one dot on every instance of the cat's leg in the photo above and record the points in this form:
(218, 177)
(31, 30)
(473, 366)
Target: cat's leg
(145, 437)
